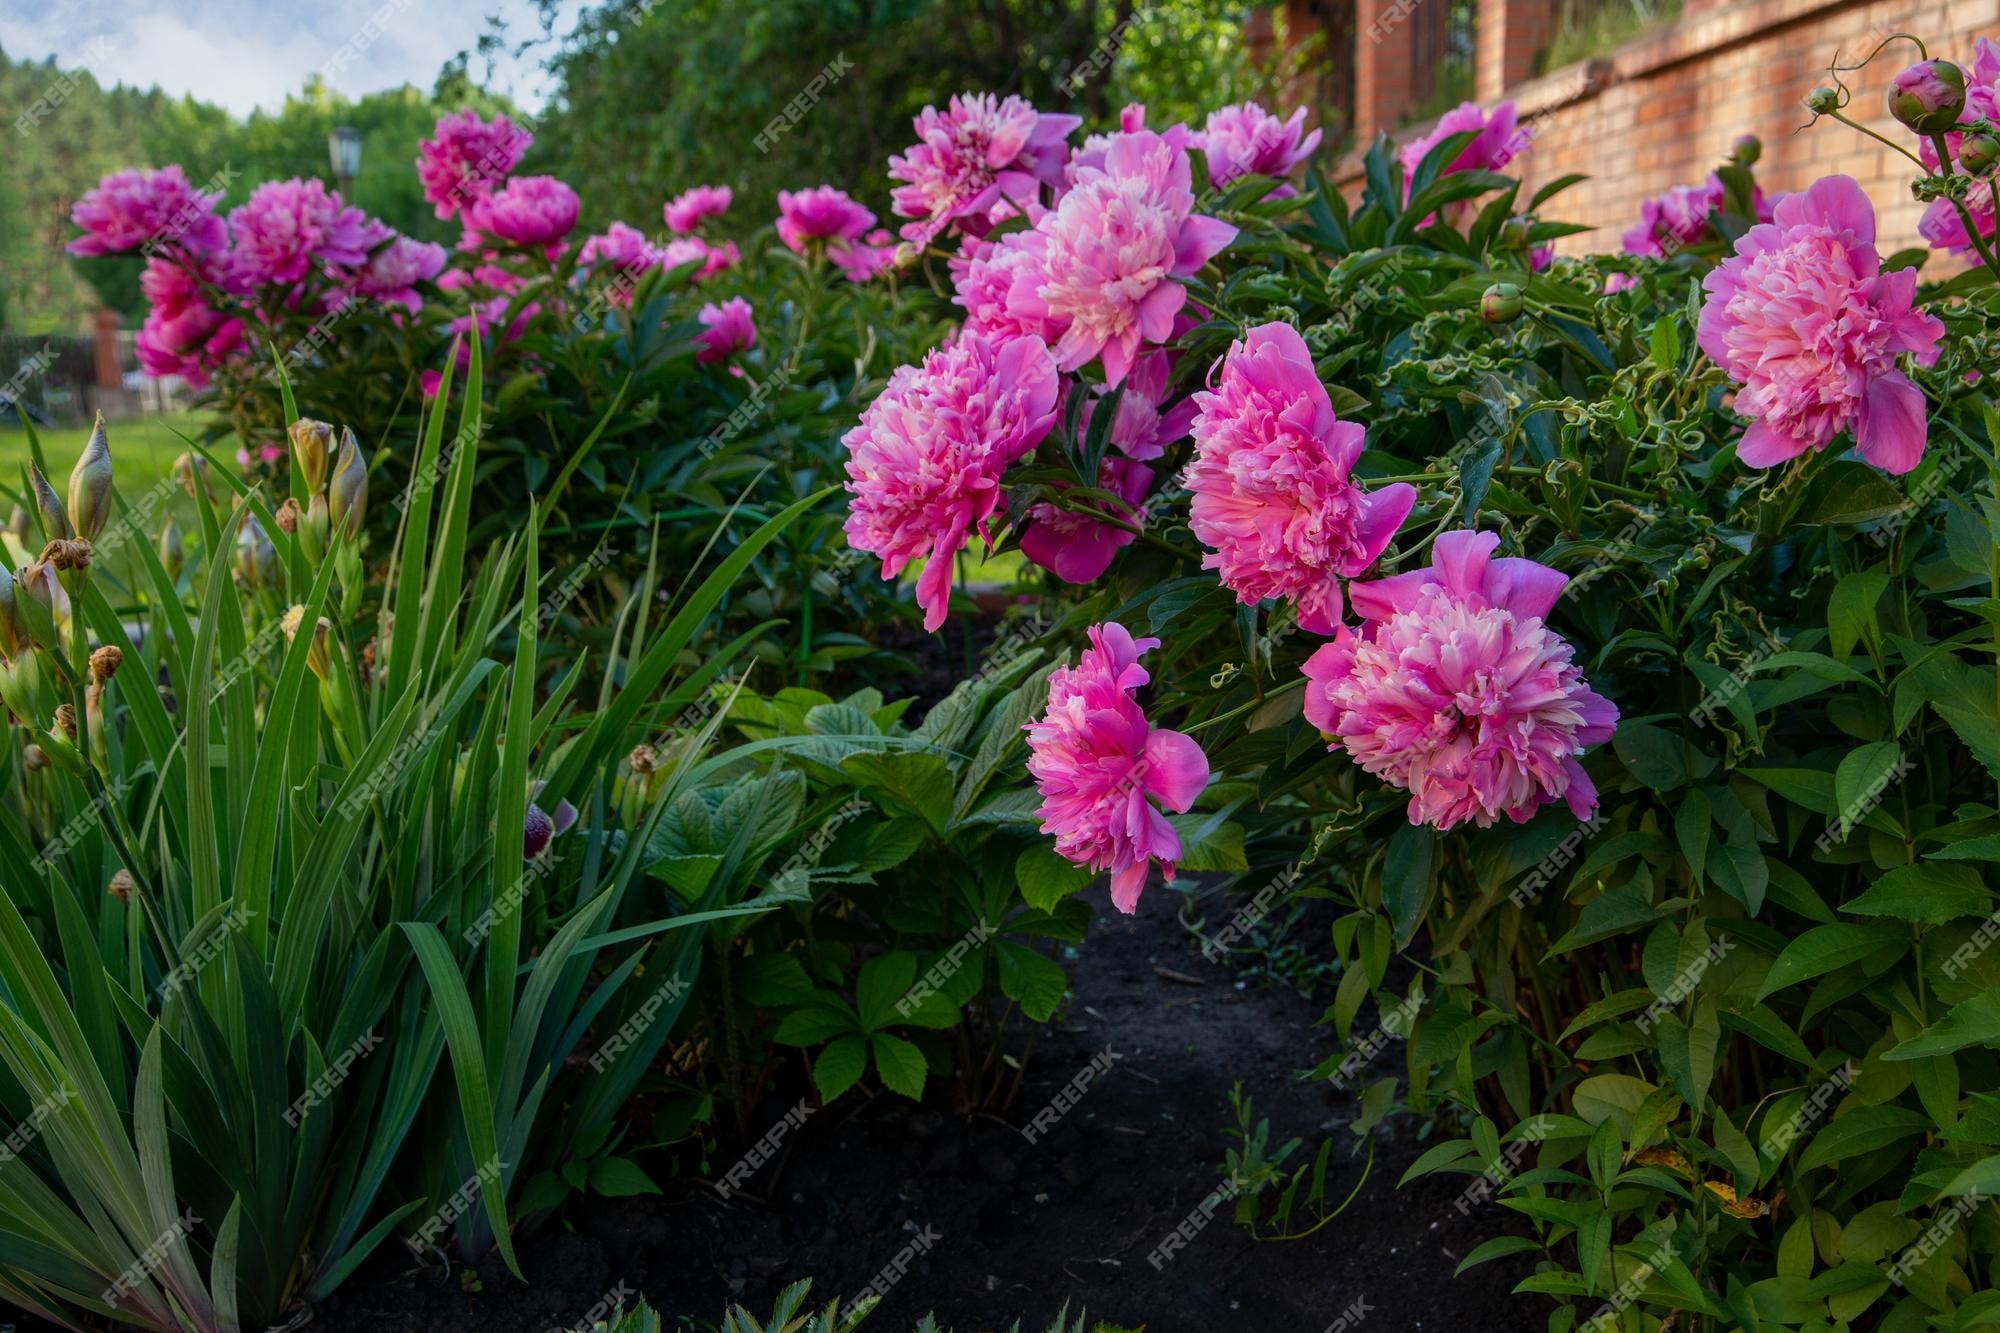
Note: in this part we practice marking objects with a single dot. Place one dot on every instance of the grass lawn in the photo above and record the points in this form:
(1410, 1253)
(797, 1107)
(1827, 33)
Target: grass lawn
(142, 450)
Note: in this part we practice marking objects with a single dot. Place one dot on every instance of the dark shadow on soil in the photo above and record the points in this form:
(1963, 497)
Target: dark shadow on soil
(1021, 1228)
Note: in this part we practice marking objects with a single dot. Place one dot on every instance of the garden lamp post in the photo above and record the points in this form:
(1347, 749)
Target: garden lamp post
(343, 145)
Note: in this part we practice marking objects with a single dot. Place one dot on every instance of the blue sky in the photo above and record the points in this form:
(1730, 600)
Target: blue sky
(245, 54)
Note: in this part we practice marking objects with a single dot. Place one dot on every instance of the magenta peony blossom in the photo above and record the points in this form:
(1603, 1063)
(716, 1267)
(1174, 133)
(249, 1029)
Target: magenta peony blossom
(973, 155)
(622, 247)
(288, 228)
(467, 159)
(687, 210)
(1272, 500)
(1097, 761)
(688, 249)
(822, 213)
(1246, 140)
(1802, 316)
(1672, 221)
(1456, 690)
(392, 273)
(1500, 140)
(184, 334)
(867, 258)
(726, 330)
(1941, 225)
(128, 210)
(531, 211)
(1105, 259)
(924, 463)
(1077, 548)
(1141, 430)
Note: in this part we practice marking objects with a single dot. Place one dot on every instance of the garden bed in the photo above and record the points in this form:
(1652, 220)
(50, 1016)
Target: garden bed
(1023, 1228)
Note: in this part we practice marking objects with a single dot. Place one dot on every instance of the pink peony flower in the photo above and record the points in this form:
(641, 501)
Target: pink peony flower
(1456, 690)
(1097, 761)
(467, 159)
(528, 211)
(822, 213)
(1615, 283)
(128, 210)
(621, 247)
(982, 273)
(924, 463)
(1105, 259)
(287, 228)
(865, 259)
(1272, 499)
(726, 330)
(1131, 119)
(1802, 316)
(1071, 544)
(687, 210)
(1500, 140)
(1246, 140)
(688, 249)
(1675, 220)
(973, 155)
(1941, 225)
(183, 334)
(1141, 430)
(393, 272)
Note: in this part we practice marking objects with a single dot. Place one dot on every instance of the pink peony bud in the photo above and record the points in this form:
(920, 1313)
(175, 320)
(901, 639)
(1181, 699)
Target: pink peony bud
(1928, 96)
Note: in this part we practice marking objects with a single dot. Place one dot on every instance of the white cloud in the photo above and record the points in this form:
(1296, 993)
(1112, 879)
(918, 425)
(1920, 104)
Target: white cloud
(250, 54)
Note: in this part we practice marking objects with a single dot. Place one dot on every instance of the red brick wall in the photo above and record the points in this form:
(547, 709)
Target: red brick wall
(1664, 109)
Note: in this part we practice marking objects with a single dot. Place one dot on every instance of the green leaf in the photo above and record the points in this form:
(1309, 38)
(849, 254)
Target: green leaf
(1409, 878)
(883, 981)
(1655, 757)
(1823, 949)
(921, 782)
(1031, 979)
(1046, 878)
(1849, 492)
(1927, 892)
(1974, 1023)
(1692, 823)
(899, 1064)
(620, 1177)
(839, 1067)
(1850, 612)
(1497, 1248)
(1862, 1130)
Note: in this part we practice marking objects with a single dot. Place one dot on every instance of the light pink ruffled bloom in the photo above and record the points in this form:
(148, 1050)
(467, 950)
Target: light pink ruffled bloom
(969, 157)
(467, 158)
(1076, 547)
(392, 272)
(1144, 426)
(982, 273)
(530, 211)
(1131, 119)
(924, 463)
(1105, 259)
(1802, 316)
(726, 330)
(690, 208)
(1272, 499)
(1098, 761)
(286, 229)
(1941, 225)
(1457, 691)
(822, 213)
(1245, 140)
(127, 209)
(688, 249)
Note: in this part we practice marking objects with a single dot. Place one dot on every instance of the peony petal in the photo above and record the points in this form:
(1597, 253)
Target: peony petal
(1525, 587)
(1893, 423)
(1176, 769)
(1200, 240)
(1127, 883)
(1765, 446)
(1459, 559)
